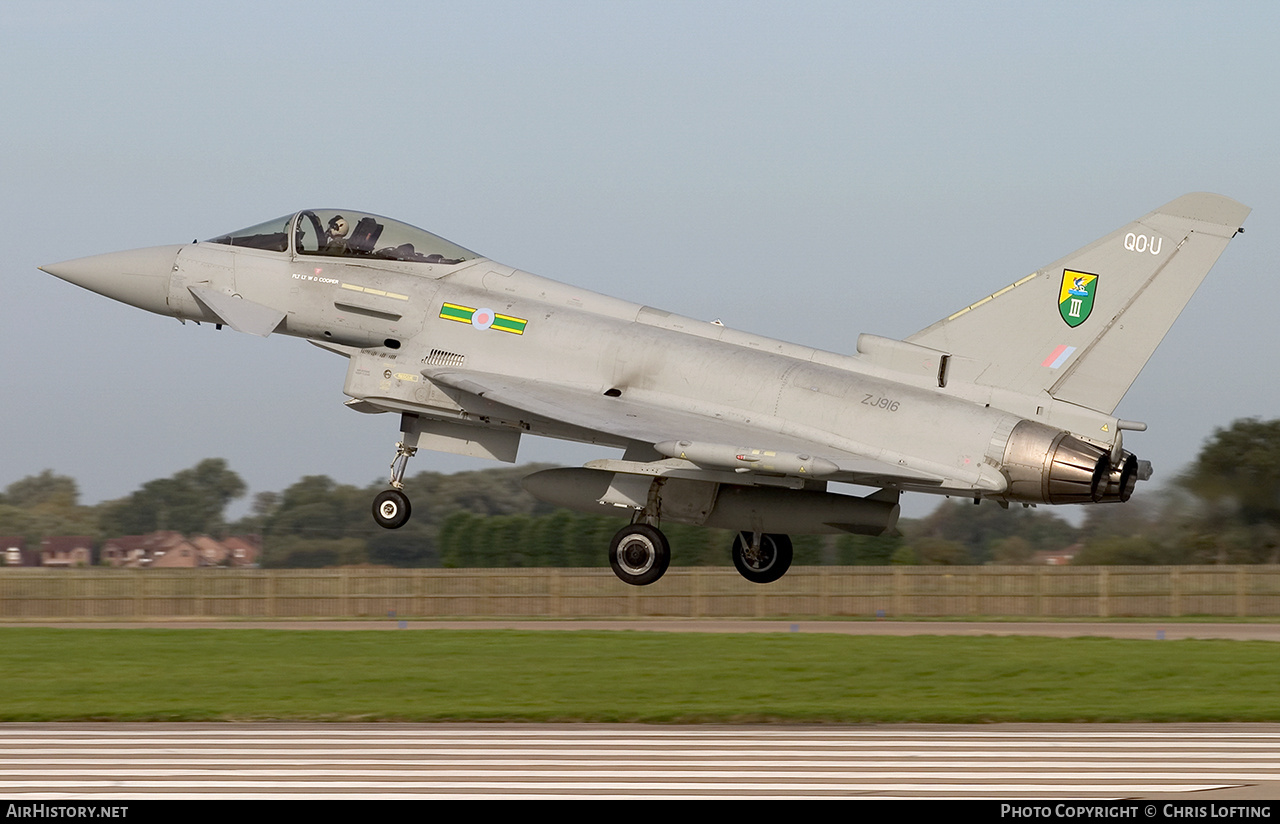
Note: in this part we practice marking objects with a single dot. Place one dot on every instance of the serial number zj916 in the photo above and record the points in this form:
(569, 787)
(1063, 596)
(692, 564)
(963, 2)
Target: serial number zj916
(880, 403)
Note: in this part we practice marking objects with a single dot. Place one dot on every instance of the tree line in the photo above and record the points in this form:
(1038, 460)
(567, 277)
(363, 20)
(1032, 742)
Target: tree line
(1223, 509)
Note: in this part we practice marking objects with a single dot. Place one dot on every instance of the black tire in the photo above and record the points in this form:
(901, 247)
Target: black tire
(639, 554)
(391, 509)
(766, 565)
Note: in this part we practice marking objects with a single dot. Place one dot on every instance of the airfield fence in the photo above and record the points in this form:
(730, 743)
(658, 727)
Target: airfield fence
(686, 592)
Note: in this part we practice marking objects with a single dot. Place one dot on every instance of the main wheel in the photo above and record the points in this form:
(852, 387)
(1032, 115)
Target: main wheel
(391, 509)
(766, 564)
(639, 554)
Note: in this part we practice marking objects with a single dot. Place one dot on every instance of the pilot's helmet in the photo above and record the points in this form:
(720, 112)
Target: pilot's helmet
(338, 226)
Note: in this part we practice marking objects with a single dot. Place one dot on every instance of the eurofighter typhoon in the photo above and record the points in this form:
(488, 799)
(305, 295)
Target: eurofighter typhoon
(1008, 399)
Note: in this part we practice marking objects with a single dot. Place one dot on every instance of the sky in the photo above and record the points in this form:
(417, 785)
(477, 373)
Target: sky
(806, 172)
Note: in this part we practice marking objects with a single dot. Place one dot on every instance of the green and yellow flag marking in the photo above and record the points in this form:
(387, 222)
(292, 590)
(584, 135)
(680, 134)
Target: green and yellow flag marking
(483, 318)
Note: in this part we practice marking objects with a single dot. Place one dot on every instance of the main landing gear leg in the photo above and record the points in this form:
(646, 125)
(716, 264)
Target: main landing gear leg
(640, 553)
(391, 507)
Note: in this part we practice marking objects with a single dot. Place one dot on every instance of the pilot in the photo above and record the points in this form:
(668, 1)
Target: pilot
(335, 236)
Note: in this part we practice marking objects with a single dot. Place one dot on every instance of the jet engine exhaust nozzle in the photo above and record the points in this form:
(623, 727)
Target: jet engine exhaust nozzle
(1048, 465)
(1121, 479)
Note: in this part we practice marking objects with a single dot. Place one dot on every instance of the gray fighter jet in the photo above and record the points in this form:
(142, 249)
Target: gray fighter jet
(1009, 399)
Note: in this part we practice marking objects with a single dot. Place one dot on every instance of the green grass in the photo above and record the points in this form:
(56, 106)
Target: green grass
(490, 675)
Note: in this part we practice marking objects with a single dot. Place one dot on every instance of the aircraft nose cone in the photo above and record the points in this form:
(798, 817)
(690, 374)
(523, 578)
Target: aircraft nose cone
(139, 277)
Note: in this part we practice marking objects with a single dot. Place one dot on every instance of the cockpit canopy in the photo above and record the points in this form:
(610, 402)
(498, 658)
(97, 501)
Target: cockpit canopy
(344, 233)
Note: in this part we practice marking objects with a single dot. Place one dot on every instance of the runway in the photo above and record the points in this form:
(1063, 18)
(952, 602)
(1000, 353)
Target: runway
(117, 762)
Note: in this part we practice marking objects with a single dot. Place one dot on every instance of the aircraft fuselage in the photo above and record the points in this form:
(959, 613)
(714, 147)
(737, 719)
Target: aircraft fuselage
(1008, 399)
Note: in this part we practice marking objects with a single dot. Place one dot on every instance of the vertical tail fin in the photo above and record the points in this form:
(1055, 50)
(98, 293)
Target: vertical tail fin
(1084, 326)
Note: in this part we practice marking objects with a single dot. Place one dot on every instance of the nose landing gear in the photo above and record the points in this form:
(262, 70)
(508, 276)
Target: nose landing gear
(391, 509)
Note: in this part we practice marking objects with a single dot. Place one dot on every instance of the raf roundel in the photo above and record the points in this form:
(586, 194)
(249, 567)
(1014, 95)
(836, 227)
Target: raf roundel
(482, 318)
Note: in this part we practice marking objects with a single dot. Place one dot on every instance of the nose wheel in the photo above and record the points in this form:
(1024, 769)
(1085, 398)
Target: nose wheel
(391, 509)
